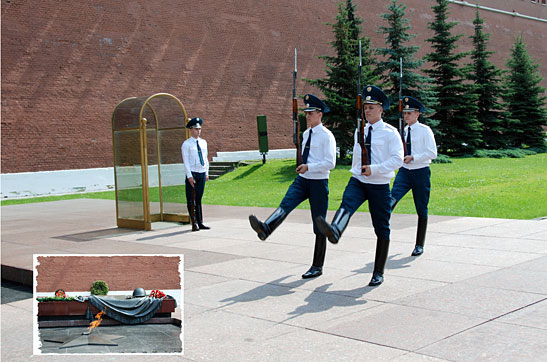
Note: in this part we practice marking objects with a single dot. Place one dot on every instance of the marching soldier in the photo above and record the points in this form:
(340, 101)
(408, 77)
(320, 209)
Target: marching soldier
(196, 164)
(370, 182)
(415, 174)
(312, 182)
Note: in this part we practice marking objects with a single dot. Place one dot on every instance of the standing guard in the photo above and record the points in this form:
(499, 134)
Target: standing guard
(415, 173)
(370, 180)
(312, 182)
(196, 164)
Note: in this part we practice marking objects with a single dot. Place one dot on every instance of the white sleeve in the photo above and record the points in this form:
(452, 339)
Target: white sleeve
(430, 147)
(186, 158)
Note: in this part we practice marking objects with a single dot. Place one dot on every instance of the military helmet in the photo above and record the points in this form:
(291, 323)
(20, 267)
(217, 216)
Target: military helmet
(139, 293)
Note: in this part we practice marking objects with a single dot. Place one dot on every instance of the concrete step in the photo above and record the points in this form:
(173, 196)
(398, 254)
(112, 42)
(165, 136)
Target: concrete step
(217, 169)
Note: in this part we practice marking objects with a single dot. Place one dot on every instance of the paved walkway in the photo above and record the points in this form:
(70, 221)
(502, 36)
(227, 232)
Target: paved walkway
(478, 293)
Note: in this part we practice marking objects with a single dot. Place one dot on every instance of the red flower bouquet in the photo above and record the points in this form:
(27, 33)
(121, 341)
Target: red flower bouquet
(157, 294)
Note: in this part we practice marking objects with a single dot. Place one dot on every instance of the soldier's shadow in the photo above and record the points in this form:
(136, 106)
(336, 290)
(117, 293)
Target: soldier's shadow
(275, 288)
(391, 263)
(321, 300)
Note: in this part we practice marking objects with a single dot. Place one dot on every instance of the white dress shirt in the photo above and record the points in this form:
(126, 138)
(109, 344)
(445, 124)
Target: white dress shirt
(322, 156)
(387, 154)
(422, 146)
(190, 156)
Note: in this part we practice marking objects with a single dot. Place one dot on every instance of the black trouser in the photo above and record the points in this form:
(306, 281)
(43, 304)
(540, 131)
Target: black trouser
(199, 185)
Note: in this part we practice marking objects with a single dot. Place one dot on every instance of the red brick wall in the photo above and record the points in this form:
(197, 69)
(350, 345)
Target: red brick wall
(67, 64)
(77, 273)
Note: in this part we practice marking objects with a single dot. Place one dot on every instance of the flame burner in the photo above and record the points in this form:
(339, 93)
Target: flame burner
(87, 338)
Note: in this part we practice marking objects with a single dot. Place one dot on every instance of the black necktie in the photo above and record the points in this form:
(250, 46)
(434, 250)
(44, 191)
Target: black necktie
(199, 154)
(367, 144)
(408, 145)
(307, 149)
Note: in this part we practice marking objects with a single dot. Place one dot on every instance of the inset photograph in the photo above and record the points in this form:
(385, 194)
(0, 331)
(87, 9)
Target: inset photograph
(108, 304)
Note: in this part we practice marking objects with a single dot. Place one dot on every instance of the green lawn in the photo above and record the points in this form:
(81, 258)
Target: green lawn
(513, 188)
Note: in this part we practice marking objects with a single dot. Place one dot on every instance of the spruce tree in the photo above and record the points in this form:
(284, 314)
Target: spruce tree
(524, 99)
(486, 77)
(457, 109)
(397, 36)
(340, 84)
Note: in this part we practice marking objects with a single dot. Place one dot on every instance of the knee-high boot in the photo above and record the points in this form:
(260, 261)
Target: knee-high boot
(318, 258)
(199, 212)
(420, 236)
(266, 228)
(382, 249)
(193, 218)
(334, 230)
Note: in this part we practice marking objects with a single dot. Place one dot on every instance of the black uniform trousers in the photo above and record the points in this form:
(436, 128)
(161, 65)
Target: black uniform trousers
(199, 185)
(419, 181)
(379, 204)
(317, 191)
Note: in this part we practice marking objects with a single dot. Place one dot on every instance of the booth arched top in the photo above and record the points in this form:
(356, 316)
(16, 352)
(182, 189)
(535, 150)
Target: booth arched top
(159, 111)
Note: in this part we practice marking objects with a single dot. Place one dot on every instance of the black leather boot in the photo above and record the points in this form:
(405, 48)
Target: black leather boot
(193, 219)
(318, 258)
(382, 249)
(420, 236)
(339, 223)
(199, 212)
(266, 228)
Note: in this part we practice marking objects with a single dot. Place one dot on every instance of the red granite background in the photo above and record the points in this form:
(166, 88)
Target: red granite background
(67, 64)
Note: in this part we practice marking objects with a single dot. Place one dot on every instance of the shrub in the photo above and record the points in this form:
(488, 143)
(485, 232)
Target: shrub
(99, 287)
(442, 159)
(504, 153)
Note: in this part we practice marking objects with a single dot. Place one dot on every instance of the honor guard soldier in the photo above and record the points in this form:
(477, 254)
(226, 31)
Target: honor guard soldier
(196, 165)
(415, 174)
(370, 180)
(312, 182)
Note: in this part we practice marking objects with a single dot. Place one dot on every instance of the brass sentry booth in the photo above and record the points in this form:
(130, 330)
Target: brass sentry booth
(147, 134)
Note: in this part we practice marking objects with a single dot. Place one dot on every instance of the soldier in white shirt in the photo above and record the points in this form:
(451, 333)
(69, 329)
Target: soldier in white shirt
(415, 175)
(371, 181)
(196, 165)
(312, 182)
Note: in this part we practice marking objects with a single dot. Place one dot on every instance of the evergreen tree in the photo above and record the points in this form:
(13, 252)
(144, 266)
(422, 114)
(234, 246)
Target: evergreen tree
(486, 77)
(416, 85)
(457, 109)
(524, 99)
(340, 84)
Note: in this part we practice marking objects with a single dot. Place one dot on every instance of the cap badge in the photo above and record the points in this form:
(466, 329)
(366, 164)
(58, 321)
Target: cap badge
(368, 90)
(307, 97)
(406, 99)
(368, 98)
(406, 107)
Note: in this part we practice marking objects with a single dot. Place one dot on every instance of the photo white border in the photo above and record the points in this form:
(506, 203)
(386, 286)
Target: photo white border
(36, 343)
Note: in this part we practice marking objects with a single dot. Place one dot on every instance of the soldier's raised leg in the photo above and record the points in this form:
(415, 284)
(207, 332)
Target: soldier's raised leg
(354, 196)
(296, 193)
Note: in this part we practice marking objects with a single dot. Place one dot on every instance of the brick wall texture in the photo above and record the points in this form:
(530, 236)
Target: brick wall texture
(66, 65)
(121, 272)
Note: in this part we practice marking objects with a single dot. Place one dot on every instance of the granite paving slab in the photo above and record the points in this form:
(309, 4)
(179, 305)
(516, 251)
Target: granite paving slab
(478, 292)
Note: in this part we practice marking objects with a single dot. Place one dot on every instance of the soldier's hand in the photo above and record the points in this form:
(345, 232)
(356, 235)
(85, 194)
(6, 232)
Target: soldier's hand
(302, 168)
(408, 159)
(191, 181)
(365, 170)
